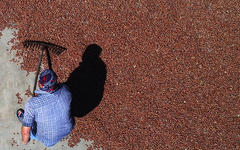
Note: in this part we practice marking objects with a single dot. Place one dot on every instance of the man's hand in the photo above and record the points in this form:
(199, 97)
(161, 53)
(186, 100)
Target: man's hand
(25, 134)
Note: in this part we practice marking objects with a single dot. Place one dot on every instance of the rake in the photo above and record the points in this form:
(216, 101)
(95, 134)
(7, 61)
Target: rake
(56, 49)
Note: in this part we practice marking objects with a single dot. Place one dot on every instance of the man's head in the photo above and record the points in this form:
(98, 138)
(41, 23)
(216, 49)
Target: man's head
(47, 80)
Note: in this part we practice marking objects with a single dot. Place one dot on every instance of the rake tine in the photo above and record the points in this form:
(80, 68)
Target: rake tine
(25, 45)
(56, 49)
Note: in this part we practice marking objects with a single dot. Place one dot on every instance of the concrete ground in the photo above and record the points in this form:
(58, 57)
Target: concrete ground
(14, 80)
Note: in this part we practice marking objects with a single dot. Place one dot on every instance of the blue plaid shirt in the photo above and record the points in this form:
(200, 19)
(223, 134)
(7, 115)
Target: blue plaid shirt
(50, 112)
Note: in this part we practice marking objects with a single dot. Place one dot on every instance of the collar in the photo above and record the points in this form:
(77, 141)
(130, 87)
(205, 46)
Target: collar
(41, 92)
(45, 92)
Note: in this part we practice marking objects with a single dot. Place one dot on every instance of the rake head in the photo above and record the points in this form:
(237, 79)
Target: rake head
(56, 49)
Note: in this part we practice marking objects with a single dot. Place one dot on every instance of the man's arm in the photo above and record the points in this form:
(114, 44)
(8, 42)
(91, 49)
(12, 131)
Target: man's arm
(28, 121)
(25, 134)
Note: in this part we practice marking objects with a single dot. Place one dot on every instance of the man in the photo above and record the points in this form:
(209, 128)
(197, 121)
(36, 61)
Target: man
(47, 116)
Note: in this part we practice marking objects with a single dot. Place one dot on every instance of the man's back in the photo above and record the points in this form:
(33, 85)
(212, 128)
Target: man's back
(51, 112)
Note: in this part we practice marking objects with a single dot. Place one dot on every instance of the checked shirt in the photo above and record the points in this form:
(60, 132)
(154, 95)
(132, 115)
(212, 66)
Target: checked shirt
(51, 113)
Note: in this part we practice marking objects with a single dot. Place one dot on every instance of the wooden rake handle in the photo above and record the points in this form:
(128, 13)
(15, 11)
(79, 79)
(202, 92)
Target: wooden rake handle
(38, 69)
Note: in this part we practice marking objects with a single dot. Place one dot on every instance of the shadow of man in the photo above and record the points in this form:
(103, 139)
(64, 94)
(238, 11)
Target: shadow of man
(87, 81)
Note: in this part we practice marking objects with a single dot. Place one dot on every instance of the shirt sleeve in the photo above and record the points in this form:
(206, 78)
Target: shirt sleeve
(28, 116)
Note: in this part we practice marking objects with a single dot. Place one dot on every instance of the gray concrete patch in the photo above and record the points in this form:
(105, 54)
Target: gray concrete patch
(13, 81)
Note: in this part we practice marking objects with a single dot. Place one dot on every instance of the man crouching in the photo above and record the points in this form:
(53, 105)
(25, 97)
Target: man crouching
(47, 116)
